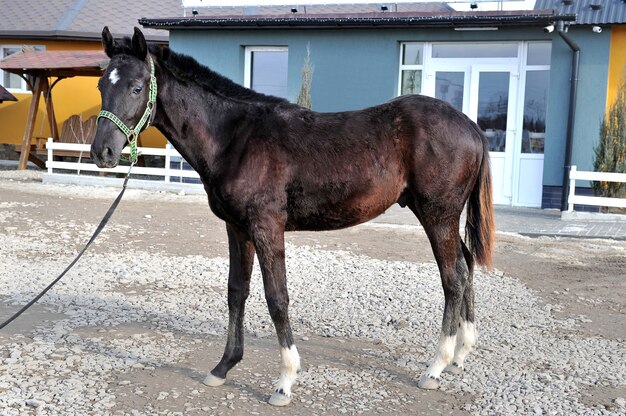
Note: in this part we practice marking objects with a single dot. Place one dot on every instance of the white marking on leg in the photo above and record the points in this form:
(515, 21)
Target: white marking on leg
(466, 341)
(444, 356)
(290, 364)
(113, 76)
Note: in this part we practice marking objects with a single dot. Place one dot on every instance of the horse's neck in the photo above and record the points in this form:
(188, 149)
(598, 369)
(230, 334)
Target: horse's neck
(188, 117)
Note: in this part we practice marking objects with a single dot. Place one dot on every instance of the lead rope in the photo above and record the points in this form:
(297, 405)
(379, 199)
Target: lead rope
(100, 227)
(131, 135)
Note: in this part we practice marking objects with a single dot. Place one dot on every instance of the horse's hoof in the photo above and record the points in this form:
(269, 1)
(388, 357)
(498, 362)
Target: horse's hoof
(428, 383)
(279, 399)
(454, 369)
(213, 381)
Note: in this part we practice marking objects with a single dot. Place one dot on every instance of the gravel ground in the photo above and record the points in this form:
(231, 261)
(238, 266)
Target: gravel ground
(133, 328)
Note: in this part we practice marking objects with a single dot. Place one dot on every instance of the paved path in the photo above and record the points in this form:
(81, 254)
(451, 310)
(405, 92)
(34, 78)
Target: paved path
(526, 221)
(531, 222)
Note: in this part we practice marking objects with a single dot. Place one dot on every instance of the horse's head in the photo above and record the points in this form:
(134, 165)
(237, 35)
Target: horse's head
(125, 89)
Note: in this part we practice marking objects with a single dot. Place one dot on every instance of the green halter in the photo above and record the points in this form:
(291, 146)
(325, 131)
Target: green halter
(133, 134)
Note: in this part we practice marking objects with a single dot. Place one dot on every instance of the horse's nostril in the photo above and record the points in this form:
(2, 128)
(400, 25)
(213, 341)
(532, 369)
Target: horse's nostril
(107, 152)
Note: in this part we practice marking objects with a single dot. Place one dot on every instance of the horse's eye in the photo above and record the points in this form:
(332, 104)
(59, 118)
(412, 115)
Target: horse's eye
(137, 90)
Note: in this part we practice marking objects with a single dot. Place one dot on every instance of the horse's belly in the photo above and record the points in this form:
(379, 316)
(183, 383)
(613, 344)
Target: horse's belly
(312, 213)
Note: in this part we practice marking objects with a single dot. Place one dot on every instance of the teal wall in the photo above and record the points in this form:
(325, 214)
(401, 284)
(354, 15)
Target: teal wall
(355, 68)
(590, 104)
(352, 69)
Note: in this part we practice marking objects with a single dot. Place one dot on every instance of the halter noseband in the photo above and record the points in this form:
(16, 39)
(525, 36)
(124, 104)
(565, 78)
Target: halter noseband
(133, 134)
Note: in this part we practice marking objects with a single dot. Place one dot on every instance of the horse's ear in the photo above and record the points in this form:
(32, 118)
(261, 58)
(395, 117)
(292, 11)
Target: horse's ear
(107, 42)
(140, 47)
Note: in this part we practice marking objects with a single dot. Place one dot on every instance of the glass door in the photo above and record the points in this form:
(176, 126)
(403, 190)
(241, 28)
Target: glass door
(503, 87)
(528, 169)
(492, 105)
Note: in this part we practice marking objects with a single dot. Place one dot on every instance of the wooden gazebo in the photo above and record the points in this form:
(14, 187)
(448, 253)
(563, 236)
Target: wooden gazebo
(36, 67)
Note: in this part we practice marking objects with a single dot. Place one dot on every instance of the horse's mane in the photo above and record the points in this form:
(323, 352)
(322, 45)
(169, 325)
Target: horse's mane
(187, 69)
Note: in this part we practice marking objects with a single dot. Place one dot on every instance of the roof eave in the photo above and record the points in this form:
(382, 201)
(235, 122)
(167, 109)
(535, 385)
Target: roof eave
(256, 22)
(67, 35)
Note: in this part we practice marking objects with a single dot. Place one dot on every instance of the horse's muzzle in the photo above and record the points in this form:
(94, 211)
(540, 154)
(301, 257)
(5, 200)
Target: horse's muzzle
(104, 157)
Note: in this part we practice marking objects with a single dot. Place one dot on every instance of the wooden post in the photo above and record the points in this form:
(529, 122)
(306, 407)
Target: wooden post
(47, 94)
(30, 123)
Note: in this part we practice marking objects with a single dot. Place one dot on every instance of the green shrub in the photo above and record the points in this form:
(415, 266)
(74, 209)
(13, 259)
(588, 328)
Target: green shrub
(610, 153)
(304, 96)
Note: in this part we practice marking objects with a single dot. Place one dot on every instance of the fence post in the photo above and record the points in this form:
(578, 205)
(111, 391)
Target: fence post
(572, 188)
(168, 158)
(50, 156)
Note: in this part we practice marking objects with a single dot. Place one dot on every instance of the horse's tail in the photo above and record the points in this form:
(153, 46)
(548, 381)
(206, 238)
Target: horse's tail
(480, 225)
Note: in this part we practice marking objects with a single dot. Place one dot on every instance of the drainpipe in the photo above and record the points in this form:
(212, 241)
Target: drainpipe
(571, 114)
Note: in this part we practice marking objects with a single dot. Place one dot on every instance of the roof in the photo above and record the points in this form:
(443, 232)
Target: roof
(360, 20)
(602, 12)
(5, 95)
(56, 63)
(80, 19)
(319, 9)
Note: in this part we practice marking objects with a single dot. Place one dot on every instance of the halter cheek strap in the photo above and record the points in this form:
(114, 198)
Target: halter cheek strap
(132, 134)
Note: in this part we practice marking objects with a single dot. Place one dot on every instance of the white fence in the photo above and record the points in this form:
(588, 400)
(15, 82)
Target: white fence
(166, 173)
(598, 201)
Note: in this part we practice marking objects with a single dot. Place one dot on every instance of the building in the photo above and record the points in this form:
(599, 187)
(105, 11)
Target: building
(495, 66)
(66, 25)
(599, 32)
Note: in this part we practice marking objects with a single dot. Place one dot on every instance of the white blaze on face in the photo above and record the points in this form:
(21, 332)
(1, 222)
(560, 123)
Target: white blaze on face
(113, 76)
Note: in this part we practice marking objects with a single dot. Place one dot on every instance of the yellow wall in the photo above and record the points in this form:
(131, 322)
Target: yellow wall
(77, 95)
(617, 62)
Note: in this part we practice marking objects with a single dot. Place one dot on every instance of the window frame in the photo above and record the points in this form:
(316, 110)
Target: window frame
(23, 84)
(247, 67)
(525, 68)
(410, 67)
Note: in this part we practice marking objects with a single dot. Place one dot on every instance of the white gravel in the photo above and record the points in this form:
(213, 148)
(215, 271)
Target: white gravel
(526, 362)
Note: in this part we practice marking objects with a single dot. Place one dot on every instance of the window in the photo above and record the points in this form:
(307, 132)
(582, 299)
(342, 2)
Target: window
(411, 68)
(450, 87)
(266, 70)
(475, 50)
(12, 82)
(536, 96)
(539, 53)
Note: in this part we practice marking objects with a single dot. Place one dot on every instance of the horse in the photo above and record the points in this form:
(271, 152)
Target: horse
(269, 166)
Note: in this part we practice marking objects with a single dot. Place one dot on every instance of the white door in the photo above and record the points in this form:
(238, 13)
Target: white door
(487, 93)
(493, 106)
(509, 109)
(528, 167)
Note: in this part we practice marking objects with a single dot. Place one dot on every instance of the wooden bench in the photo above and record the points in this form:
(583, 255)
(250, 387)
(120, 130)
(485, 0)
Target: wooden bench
(73, 130)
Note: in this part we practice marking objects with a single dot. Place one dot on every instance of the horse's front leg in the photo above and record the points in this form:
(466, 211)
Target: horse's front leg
(241, 262)
(268, 237)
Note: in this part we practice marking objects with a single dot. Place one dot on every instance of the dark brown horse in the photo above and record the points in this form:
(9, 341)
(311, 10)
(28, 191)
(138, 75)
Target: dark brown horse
(269, 166)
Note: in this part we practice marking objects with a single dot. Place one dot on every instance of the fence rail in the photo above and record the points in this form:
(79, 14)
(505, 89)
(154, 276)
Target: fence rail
(82, 153)
(598, 201)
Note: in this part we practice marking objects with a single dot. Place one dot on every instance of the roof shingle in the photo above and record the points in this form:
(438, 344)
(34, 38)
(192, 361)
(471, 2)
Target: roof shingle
(81, 20)
(57, 63)
(609, 12)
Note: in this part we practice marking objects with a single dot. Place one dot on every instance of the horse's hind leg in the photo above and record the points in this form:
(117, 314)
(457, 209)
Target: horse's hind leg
(466, 334)
(241, 261)
(446, 243)
(268, 236)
